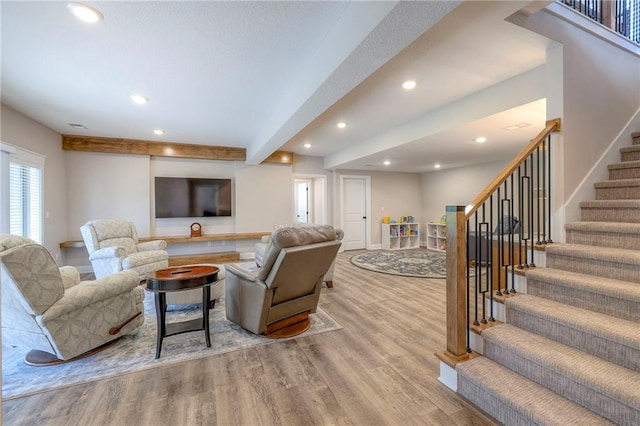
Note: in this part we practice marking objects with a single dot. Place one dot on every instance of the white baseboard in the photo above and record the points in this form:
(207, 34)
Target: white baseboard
(247, 256)
(448, 377)
(375, 247)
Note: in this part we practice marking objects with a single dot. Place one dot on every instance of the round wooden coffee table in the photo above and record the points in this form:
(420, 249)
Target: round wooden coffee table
(181, 278)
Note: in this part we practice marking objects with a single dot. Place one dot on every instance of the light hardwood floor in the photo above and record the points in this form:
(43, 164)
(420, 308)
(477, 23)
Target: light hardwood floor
(378, 370)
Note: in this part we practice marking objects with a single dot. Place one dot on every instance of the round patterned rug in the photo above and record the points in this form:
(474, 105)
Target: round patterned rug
(408, 263)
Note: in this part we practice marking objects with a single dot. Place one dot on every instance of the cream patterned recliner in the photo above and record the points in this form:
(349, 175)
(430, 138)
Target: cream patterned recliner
(113, 246)
(49, 310)
(288, 283)
(261, 247)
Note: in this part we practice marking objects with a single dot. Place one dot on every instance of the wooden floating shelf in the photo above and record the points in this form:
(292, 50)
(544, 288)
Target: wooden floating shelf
(194, 259)
(182, 239)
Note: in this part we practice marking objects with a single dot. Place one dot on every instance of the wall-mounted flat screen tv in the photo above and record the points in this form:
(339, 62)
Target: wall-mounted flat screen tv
(192, 197)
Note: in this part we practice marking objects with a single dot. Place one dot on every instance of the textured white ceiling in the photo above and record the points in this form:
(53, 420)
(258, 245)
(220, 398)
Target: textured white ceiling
(262, 75)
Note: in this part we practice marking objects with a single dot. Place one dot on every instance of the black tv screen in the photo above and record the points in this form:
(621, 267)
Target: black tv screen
(192, 197)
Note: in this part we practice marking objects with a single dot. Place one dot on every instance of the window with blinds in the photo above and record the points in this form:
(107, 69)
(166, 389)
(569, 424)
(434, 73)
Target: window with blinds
(21, 183)
(25, 201)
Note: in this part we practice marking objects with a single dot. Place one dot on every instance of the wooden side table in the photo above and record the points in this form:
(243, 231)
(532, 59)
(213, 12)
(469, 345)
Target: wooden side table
(179, 279)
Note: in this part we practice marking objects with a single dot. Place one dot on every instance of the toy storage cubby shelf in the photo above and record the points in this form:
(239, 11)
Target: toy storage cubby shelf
(437, 236)
(400, 236)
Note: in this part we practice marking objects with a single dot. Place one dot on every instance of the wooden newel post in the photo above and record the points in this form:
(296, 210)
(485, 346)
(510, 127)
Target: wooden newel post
(456, 282)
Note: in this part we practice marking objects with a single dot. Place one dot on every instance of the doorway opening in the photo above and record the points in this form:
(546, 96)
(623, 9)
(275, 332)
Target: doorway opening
(310, 199)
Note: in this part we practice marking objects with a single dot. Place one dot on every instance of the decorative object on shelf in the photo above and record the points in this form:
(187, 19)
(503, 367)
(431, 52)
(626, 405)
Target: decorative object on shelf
(443, 219)
(196, 229)
(386, 219)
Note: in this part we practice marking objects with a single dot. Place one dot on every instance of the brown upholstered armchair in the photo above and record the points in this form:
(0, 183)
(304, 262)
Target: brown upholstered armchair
(276, 298)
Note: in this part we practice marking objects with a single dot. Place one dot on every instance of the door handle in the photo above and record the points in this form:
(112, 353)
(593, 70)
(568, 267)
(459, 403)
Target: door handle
(364, 217)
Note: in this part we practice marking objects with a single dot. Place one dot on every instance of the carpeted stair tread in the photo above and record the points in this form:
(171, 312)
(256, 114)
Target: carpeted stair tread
(630, 153)
(628, 149)
(604, 234)
(616, 263)
(617, 183)
(606, 388)
(624, 170)
(614, 329)
(619, 189)
(610, 227)
(513, 399)
(597, 287)
(631, 257)
(618, 204)
(624, 165)
(611, 211)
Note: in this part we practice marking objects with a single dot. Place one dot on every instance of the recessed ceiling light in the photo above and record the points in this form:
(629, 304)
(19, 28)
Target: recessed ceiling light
(139, 99)
(386, 162)
(85, 13)
(436, 166)
(307, 145)
(481, 139)
(158, 132)
(342, 125)
(409, 84)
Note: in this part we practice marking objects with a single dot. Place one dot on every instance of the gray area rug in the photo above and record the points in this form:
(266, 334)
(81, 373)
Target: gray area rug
(135, 353)
(408, 263)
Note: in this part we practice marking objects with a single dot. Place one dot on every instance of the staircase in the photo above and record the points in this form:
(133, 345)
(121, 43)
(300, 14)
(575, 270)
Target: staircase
(569, 352)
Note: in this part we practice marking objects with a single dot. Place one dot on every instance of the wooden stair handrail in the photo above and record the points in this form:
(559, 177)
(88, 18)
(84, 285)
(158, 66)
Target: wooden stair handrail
(457, 349)
(550, 127)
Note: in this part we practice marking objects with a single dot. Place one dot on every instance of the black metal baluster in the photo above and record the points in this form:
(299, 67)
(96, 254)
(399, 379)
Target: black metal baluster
(498, 265)
(477, 289)
(544, 193)
(468, 322)
(531, 210)
(537, 200)
(549, 240)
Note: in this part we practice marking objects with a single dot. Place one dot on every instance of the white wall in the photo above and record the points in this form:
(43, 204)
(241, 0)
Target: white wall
(19, 130)
(601, 88)
(392, 194)
(455, 187)
(264, 197)
(103, 186)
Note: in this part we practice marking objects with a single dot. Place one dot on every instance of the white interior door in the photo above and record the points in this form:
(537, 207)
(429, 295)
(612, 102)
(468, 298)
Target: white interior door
(302, 200)
(354, 204)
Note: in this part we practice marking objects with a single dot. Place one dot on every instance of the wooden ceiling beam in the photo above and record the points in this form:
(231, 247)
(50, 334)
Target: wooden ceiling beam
(158, 149)
(280, 157)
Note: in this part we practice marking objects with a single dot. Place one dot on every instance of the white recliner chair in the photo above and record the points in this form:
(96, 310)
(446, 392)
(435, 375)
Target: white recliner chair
(51, 312)
(113, 246)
